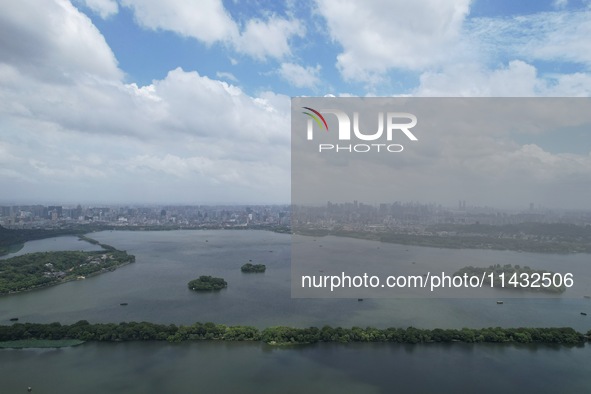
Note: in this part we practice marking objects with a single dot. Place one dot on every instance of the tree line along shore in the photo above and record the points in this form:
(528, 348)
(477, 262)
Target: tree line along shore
(557, 238)
(144, 331)
(12, 240)
(539, 237)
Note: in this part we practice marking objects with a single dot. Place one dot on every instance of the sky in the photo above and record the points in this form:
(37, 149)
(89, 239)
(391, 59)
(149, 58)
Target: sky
(462, 148)
(188, 101)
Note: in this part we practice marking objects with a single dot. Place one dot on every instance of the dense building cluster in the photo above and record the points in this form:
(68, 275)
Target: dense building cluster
(411, 215)
(41, 216)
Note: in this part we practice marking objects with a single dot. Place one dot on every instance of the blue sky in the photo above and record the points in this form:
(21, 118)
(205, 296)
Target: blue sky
(147, 53)
(188, 100)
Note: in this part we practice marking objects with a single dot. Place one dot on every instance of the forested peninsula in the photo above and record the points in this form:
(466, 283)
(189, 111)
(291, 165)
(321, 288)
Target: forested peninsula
(42, 269)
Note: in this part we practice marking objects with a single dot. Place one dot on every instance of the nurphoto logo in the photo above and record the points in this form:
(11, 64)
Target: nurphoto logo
(395, 122)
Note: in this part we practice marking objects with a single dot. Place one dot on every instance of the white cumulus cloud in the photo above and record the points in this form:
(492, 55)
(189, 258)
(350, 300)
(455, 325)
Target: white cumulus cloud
(209, 22)
(52, 40)
(300, 76)
(205, 20)
(105, 8)
(378, 35)
(270, 38)
(71, 126)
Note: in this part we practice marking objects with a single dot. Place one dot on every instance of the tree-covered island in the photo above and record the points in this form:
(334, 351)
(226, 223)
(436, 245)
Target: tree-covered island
(207, 283)
(36, 270)
(253, 268)
(510, 277)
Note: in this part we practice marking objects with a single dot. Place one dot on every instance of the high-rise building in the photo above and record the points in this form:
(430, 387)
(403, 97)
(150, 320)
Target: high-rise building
(55, 208)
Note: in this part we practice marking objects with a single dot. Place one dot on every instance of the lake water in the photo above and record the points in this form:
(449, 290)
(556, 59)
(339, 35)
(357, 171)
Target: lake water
(155, 288)
(207, 367)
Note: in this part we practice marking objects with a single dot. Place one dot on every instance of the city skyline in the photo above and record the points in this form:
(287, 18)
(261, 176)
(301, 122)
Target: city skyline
(40, 215)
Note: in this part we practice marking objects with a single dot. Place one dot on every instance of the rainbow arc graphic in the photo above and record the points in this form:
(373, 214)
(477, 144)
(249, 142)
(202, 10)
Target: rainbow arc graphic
(317, 116)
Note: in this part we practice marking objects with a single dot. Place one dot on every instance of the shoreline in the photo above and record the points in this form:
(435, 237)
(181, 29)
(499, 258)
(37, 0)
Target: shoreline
(82, 233)
(430, 241)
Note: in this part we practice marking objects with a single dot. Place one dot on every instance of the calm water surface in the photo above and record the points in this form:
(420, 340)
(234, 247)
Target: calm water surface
(326, 368)
(155, 289)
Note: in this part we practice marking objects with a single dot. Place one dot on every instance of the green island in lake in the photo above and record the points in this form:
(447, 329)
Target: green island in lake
(253, 268)
(207, 283)
(515, 277)
(41, 269)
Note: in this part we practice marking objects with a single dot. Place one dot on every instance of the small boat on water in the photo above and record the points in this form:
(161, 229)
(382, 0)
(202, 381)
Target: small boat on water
(587, 297)
(360, 299)
(124, 304)
(14, 319)
(584, 313)
(499, 302)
